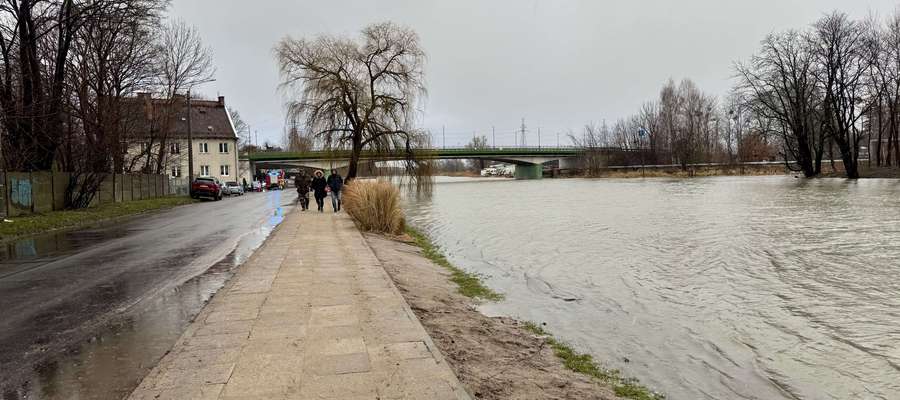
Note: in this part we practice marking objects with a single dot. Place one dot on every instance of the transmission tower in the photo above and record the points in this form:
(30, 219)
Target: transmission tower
(522, 132)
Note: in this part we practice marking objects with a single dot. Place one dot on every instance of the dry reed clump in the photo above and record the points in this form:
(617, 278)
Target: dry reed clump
(374, 206)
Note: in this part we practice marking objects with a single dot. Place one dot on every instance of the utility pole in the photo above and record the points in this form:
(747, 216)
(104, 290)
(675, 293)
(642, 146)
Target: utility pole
(557, 140)
(539, 137)
(190, 144)
(444, 136)
(493, 137)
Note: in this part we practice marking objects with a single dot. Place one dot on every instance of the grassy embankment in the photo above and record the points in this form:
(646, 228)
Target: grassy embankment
(375, 207)
(54, 220)
(629, 388)
(470, 285)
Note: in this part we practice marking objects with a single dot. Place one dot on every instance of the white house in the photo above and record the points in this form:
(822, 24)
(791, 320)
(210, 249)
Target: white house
(162, 123)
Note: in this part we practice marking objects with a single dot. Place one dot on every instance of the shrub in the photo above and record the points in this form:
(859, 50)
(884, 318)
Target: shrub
(374, 206)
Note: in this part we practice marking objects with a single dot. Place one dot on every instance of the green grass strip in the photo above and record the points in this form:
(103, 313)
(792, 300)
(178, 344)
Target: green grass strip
(470, 285)
(628, 388)
(40, 223)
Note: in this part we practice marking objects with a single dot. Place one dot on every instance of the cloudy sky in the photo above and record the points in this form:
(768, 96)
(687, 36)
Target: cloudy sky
(557, 63)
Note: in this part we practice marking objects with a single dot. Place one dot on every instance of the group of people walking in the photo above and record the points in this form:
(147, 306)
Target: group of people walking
(320, 186)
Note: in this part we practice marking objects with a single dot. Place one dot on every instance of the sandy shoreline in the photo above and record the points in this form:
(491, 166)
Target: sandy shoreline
(495, 358)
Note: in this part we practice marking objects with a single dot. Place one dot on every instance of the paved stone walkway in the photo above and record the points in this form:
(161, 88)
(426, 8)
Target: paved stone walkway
(312, 315)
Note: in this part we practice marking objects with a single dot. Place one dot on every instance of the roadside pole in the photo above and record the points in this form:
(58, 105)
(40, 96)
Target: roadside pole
(641, 133)
(190, 142)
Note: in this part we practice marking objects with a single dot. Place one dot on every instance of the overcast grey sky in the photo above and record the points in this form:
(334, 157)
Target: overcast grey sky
(557, 63)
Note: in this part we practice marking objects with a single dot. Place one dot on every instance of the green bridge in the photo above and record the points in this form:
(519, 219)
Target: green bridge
(529, 161)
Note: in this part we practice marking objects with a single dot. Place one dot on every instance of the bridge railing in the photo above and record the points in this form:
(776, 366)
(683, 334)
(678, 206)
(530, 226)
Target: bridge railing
(440, 151)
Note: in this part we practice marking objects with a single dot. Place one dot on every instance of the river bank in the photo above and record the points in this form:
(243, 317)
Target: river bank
(677, 172)
(702, 288)
(494, 357)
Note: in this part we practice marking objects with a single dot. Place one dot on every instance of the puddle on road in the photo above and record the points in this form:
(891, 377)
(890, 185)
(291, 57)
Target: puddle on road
(19, 255)
(119, 354)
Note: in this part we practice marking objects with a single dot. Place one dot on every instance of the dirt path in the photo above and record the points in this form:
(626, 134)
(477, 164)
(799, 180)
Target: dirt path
(495, 358)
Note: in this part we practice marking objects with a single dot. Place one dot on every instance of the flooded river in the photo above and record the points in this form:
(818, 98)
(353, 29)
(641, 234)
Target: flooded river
(714, 288)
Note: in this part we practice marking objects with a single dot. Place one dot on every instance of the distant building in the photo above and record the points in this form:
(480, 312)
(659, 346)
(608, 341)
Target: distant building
(162, 124)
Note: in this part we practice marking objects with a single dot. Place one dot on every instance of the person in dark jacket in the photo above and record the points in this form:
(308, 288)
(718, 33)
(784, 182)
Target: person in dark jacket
(335, 183)
(318, 186)
(301, 182)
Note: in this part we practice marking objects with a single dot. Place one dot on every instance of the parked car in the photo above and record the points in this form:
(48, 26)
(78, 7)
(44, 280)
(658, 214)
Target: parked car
(205, 186)
(234, 189)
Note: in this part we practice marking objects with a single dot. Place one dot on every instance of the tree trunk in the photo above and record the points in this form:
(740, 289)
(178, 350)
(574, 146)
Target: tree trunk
(851, 169)
(355, 153)
(880, 111)
(805, 158)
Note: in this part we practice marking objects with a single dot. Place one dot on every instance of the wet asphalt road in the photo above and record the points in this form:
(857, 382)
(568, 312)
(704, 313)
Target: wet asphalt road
(86, 314)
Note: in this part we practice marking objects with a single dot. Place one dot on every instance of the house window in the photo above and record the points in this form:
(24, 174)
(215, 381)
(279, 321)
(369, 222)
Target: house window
(204, 170)
(223, 147)
(176, 172)
(223, 169)
(204, 147)
(175, 148)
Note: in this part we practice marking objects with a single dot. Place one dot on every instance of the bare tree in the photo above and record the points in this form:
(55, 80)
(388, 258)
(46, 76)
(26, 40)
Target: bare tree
(648, 119)
(845, 55)
(593, 141)
(241, 128)
(356, 95)
(478, 142)
(35, 40)
(885, 77)
(183, 61)
(780, 86)
(111, 59)
(297, 141)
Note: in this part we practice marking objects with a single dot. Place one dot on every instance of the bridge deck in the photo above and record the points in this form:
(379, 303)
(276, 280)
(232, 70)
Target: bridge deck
(448, 153)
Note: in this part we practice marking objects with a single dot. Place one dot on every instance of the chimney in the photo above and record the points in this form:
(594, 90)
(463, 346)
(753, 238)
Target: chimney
(222, 101)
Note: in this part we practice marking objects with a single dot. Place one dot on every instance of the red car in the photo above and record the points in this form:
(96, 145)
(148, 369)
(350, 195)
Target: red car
(206, 187)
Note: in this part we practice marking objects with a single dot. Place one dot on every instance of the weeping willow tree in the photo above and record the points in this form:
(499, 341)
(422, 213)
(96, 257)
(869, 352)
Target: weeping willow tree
(357, 95)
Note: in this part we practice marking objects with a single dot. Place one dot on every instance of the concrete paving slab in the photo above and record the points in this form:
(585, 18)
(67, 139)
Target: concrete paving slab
(312, 315)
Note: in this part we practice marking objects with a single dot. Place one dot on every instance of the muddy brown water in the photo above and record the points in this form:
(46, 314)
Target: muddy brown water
(712, 288)
(88, 313)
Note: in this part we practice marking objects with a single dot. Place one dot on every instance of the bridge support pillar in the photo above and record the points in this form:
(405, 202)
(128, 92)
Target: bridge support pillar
(569, 163)
(529, 171)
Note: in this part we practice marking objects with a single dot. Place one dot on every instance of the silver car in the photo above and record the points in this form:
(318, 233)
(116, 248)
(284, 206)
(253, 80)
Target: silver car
(234, 188)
